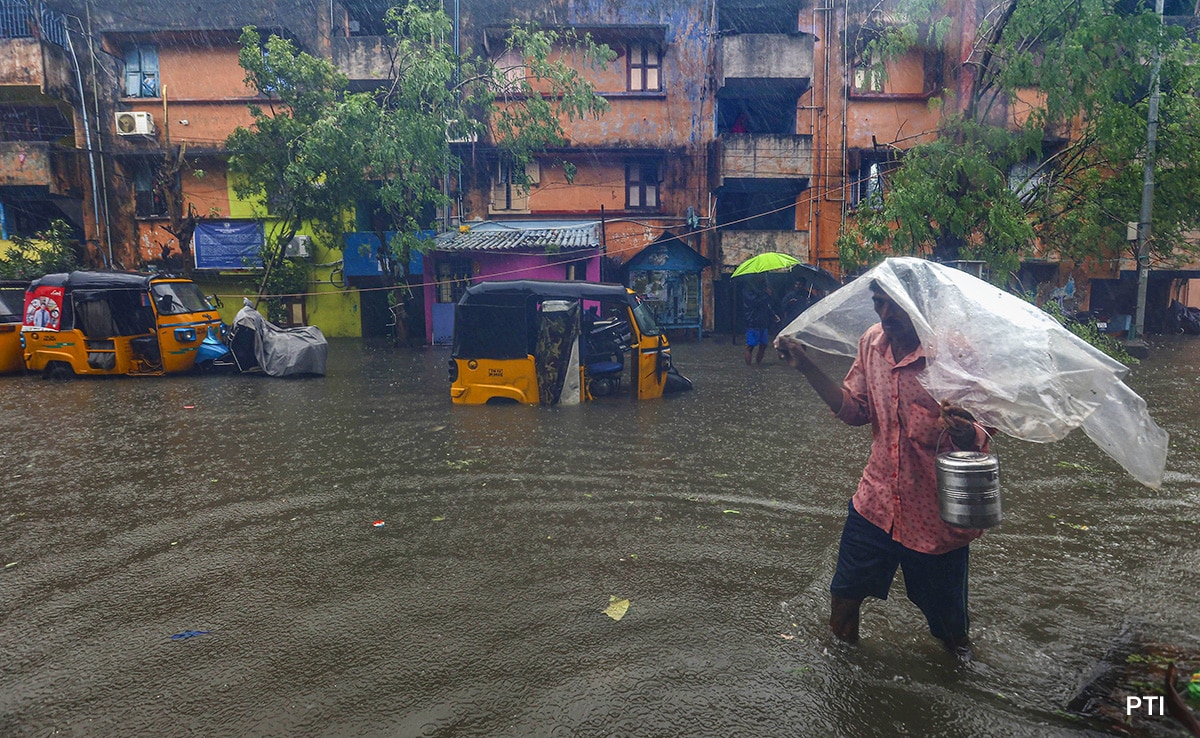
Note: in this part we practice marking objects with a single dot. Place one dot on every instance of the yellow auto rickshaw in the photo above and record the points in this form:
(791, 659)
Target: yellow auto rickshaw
(533, 341)
(12, 302)
(113, 323)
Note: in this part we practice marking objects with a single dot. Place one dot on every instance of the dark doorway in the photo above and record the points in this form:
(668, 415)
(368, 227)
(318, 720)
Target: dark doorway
(376, 317)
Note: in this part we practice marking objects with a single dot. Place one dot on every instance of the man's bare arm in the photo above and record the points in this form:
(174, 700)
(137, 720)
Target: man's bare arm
(795, 354)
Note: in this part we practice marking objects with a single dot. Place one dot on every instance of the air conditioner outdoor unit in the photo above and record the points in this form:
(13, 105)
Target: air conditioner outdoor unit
(298, 247)
(134, 124)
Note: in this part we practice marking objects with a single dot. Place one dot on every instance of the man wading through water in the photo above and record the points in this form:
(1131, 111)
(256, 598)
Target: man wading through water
(893, 518)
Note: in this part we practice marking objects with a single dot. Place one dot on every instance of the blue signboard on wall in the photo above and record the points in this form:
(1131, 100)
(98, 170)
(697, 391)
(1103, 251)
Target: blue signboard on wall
(228, 244)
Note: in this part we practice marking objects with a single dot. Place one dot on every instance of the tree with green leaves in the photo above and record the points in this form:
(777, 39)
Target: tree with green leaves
(315, 148)
(48, 251)
(1068, 179)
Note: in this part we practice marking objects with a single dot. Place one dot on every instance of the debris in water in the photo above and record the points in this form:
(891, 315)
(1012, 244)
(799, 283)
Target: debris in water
(189, 634)
(616, 608)
(378, 524)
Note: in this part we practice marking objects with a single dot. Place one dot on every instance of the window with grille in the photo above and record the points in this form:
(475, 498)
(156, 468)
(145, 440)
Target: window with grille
(645, 68)
(141, 71)
(641, 185)
(870, 183)
(509, 192)
(453, 279)
(147, 192)
(511, 65)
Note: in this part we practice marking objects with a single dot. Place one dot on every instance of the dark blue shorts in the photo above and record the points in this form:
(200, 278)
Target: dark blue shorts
(936, 583)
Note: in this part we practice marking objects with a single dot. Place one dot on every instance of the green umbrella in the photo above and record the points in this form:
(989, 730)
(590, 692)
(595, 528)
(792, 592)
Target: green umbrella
(766, 262)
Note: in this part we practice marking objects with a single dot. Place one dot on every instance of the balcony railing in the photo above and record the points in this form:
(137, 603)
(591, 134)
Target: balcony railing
(24, 19)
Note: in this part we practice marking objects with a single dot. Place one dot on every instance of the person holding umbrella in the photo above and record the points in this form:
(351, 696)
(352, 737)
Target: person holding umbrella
(758, 311)
(893, 519)
(758, 301)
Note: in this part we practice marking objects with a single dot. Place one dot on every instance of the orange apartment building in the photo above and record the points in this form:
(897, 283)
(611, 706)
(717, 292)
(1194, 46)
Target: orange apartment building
(736, 127)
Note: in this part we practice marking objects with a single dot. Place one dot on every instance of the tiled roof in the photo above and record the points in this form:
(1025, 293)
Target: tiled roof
(523, 236)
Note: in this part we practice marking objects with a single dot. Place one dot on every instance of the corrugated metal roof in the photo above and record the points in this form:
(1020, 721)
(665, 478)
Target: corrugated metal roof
(539, 236)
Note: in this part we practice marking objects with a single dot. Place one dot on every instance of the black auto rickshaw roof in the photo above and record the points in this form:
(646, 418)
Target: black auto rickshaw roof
(97, 280)
(498, 320)
(546, 289)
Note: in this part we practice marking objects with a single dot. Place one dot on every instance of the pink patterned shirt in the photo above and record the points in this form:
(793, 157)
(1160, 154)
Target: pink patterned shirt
(898, 489)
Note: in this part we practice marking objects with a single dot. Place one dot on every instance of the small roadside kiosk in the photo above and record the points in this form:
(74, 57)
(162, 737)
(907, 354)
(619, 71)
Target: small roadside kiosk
(667, 276)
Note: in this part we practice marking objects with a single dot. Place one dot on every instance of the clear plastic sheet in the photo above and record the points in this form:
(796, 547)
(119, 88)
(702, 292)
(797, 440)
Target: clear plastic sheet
(1000, 357)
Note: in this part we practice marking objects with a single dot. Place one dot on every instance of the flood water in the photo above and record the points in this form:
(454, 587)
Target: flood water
(196, 556)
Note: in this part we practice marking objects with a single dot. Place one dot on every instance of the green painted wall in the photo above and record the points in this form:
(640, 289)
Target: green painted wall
(332, 309)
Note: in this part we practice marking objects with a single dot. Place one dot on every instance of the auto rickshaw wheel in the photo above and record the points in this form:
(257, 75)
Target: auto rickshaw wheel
(58, 370)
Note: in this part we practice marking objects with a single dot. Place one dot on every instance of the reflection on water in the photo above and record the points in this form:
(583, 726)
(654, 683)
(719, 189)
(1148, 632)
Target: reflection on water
(135, 510)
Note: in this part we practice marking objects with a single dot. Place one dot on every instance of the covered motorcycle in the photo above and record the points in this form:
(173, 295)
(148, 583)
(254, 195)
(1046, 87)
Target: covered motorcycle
(254, 344)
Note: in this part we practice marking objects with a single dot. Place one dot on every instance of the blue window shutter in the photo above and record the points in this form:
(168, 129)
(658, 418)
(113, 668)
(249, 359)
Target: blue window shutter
(149, 71)
(133, 72)
(141, 71)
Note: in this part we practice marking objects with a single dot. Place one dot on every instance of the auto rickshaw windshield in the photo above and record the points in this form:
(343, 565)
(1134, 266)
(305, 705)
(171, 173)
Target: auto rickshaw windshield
(645, 319)
(175, 298)
(12, 303)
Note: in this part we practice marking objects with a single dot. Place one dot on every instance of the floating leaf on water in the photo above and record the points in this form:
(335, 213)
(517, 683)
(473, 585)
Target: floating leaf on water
(10, 565)
(439, 518)
(633, 556)
(786, 636)
(732, 512)
(616, 608)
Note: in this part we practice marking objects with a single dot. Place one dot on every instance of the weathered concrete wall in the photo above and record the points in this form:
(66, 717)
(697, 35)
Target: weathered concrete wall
(361, 57)
(40, 164)
(28, 62)
(305, 20)
(25, 164)
(737, 246)
(760, 56)
(765, 156)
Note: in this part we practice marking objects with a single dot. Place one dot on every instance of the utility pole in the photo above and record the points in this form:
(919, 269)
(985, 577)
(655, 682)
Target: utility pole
(1143, 232)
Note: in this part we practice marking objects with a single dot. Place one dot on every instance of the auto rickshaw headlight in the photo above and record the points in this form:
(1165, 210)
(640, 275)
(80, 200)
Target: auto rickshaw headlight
(472, 365)
(185, 335)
